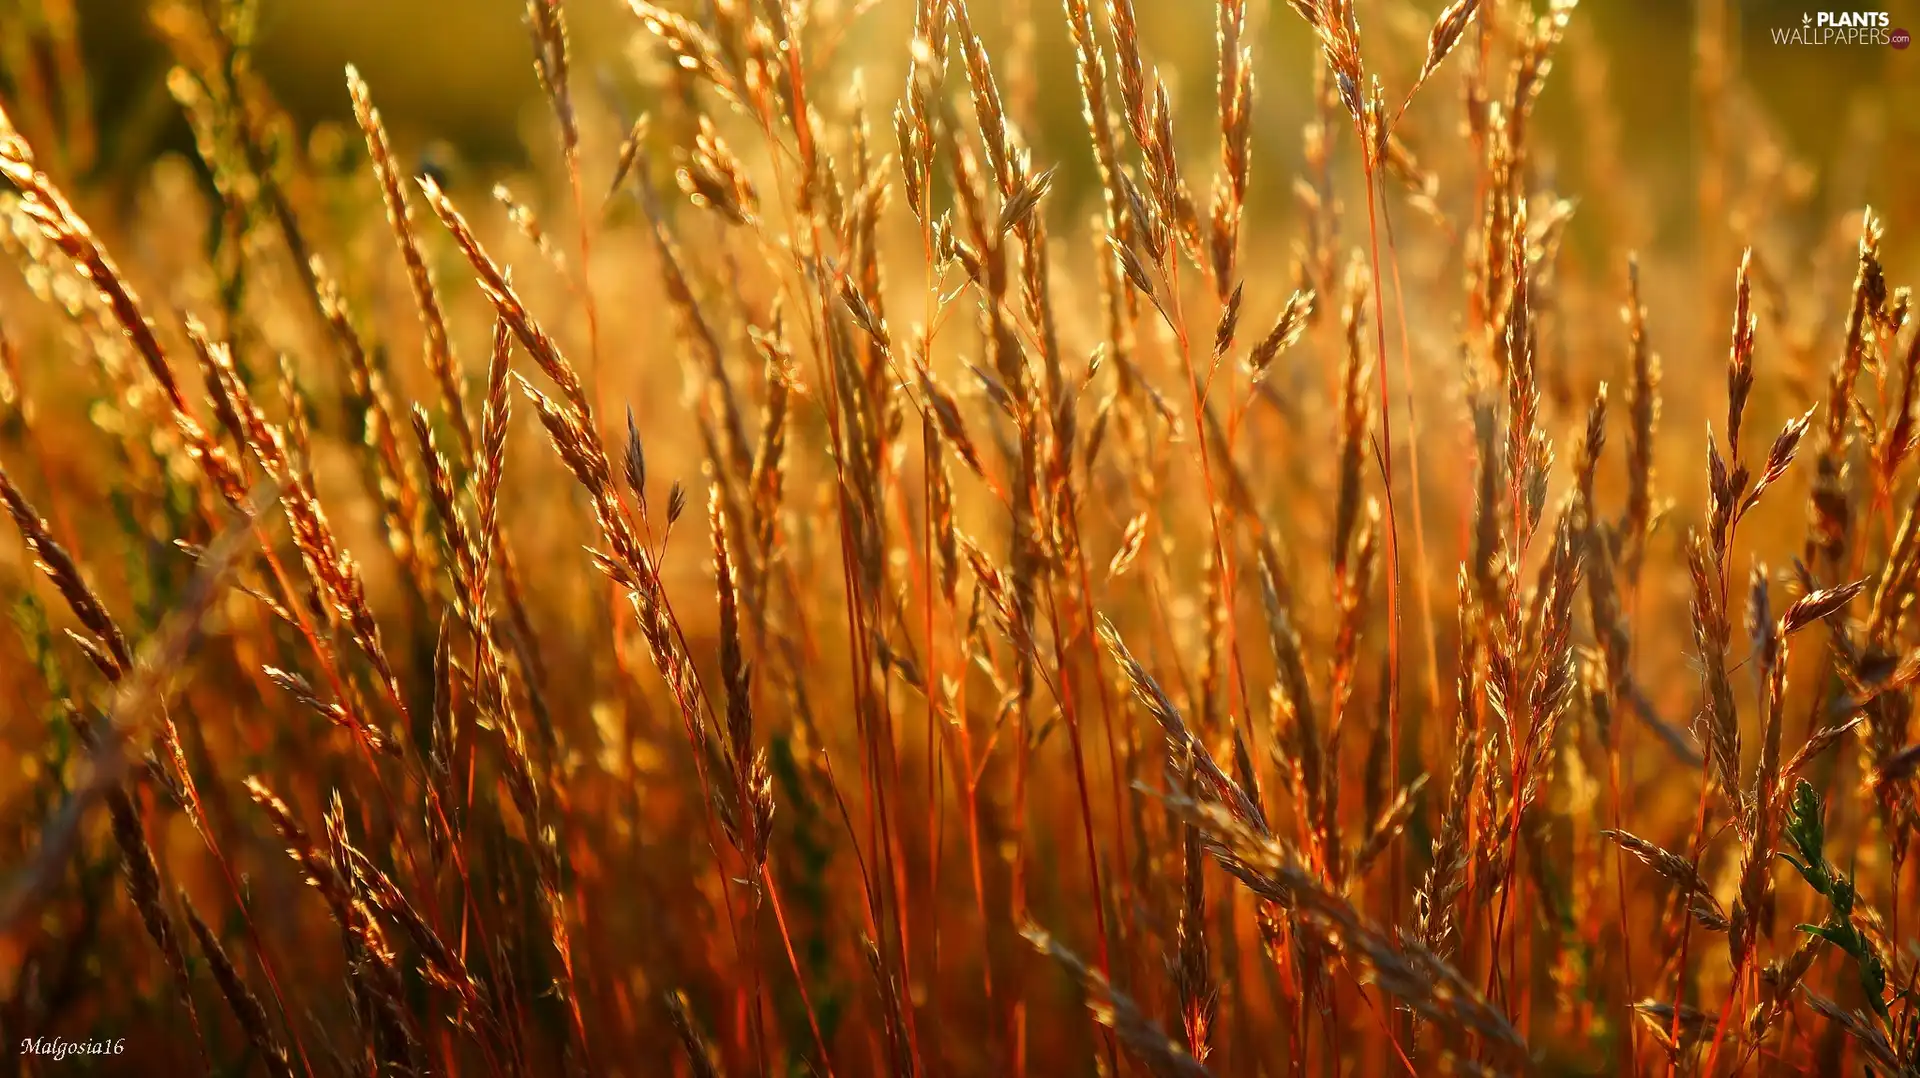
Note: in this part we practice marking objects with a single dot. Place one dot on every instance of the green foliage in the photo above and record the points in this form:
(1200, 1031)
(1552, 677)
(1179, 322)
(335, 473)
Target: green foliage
(1807, 833)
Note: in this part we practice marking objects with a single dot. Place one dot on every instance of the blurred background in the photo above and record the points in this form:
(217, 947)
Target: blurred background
(452, 78)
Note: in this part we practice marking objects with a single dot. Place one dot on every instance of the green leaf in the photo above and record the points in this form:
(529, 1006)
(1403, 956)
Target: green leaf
(1806, 872)
(1808, 836)
(1839, 935)
(1840, 893)
(1805, 828)
(1873, 980)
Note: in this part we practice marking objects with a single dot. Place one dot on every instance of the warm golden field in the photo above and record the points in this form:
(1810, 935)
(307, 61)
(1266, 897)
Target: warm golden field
(928, 537)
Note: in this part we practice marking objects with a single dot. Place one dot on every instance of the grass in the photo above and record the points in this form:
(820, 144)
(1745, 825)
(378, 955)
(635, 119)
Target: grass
(1060, 676)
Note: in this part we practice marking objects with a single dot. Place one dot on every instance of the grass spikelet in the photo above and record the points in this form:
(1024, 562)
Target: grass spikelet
(439, 347)
(700, 1053)
(1144, 1041)
(1643, 411)
(507, 302)
(240, 998)
(64, 574)
(1701, 904)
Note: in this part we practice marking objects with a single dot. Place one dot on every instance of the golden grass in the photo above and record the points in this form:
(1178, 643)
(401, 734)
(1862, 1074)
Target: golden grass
(1061, 684)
